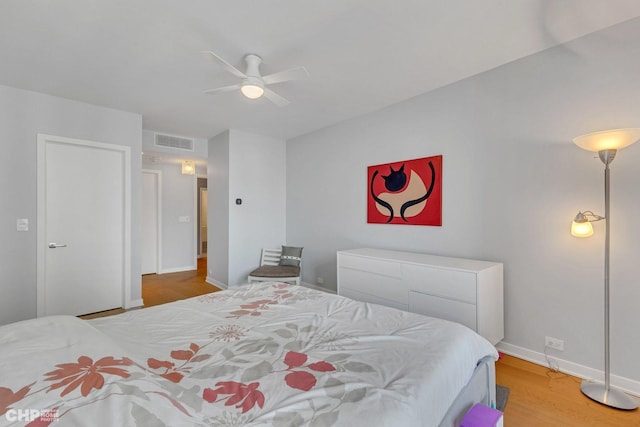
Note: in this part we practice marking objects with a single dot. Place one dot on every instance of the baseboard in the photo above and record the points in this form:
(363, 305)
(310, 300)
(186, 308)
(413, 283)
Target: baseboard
(216, 283)
(625, 384)
(317, 288)
(134, 303)
(177, 270)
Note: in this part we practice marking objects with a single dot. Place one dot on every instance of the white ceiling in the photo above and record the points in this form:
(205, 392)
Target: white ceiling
(362, 55)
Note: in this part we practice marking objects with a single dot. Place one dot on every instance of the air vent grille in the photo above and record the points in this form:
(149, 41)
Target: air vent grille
(171, 141)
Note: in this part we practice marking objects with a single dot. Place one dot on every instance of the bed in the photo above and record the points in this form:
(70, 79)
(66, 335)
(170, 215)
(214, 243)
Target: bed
(264, 354)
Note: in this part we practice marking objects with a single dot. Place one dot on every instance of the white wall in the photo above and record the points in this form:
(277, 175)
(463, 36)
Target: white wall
(23, 115)
(258, 177)
(252, 168)
(218, 210)
(513, 181)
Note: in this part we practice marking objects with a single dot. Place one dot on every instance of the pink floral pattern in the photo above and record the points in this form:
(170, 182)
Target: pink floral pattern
(255, 308)
(8, 397)
(245, 396)
(173, 372)
(303, 380)
(86, 374)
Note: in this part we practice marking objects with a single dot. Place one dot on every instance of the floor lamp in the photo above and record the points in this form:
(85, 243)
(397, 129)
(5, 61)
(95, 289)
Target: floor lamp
(606, 144)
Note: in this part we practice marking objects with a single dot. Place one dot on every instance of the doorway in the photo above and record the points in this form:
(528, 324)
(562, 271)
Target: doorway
(202, 217)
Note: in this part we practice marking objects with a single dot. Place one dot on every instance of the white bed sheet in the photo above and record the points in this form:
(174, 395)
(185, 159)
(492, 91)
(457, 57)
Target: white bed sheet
(264, 354)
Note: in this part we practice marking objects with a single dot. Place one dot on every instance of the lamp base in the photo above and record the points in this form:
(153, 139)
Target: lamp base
(610, 397)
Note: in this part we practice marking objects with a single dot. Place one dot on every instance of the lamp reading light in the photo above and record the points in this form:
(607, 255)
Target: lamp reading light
(581, 226)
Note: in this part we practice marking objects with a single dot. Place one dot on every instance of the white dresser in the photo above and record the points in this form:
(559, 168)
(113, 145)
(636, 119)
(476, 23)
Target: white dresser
(462, 290)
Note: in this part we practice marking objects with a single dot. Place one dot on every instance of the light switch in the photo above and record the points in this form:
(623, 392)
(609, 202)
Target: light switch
(22, 224)
(184, 219)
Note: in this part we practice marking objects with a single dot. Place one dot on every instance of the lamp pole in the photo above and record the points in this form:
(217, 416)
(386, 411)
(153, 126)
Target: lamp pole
(604, 393)
(607, 157)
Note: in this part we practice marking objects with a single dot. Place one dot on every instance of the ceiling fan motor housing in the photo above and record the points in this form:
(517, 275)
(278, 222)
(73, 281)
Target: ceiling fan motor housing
(253, 65)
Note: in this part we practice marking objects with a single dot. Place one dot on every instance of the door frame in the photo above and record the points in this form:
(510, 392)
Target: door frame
(203, 190)
(196, 223)
(42, 140)
(158, 174)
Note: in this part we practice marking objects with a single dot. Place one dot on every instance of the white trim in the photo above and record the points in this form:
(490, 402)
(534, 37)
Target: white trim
(625, 384)
(201, 191)
(41, 213)
(158, 174)
(318, 288)
(178, 269)
(133, 303)
(194, 221)
(127, 221)
(216, 283)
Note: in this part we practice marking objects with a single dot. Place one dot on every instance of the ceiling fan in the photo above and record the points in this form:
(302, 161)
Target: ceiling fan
(253, 85)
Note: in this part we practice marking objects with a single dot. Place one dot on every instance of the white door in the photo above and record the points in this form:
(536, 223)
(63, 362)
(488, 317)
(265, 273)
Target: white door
(83, 226)
(150, 221)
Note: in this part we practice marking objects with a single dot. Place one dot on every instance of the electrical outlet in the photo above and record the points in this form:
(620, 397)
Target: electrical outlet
(320, 280)
(554, 343)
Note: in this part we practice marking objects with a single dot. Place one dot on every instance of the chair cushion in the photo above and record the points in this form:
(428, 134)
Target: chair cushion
(276, 271)
(291, 255)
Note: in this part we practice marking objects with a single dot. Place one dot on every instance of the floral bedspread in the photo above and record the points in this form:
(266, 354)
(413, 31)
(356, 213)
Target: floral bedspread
(264, 354)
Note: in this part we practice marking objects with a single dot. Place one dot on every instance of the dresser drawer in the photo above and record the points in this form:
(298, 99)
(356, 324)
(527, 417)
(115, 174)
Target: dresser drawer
(371, 265)
(443, 308)
(452, 284)
(367, 282)
(359, 296)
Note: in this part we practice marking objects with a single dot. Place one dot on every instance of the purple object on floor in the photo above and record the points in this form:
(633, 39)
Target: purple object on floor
(482, 416)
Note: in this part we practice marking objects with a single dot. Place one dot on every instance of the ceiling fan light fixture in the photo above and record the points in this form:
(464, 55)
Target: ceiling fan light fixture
(252, 88)
(252, 91)
(253, 83)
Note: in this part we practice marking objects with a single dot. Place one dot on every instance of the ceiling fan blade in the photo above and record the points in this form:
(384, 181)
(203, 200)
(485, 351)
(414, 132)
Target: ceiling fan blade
(275, 98)
(230, 68)
(223, 89)
(298, 73)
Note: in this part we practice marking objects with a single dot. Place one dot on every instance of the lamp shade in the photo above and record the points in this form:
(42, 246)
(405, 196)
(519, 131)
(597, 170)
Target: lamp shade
(615, 139)
(581, 229)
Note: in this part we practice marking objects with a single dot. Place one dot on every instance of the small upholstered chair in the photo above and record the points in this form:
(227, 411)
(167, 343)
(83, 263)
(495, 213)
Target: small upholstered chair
(278, 265)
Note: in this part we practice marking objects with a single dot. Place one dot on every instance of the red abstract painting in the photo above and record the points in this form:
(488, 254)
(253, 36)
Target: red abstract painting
(407, 192)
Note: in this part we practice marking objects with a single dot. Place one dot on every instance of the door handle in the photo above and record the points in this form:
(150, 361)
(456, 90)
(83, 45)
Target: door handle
(55, 245)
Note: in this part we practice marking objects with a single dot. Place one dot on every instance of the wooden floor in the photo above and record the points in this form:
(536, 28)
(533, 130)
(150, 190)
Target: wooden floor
(538, 396)
(163, 288)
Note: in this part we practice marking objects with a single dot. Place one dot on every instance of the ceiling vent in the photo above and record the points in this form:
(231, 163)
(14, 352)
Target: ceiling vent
(170, 141)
